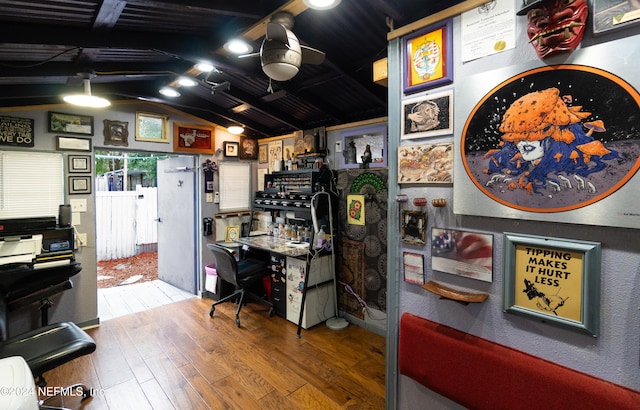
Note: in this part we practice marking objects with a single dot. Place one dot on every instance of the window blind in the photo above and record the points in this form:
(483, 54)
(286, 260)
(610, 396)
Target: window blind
(235, 186)
(31, 184)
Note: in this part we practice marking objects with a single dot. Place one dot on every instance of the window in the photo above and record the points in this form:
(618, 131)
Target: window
(31, 184)
(235, 186)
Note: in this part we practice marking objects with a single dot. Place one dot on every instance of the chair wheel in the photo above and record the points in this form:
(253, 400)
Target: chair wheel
(237, 321)
(213, 309)
(272, 311)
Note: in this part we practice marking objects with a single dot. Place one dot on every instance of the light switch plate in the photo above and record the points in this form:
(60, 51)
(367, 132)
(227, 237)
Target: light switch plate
(338, 147)
(78, 205)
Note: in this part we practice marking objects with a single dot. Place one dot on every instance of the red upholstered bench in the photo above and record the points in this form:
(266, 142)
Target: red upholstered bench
(480, 374)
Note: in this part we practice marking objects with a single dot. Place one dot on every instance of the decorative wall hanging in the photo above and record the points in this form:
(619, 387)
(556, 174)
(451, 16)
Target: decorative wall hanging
(553, 139)
(73, 144)
(351, 272)
(355, 142)
(248, 148)
(231, 149)
(233, 232)
(209, 167)
(275, 156)
(262, 154)
(79, 164)
(425, 164)
(193, 138)
(413, 264)
(553, 280)
(468, 254)
(16, 131)
(427, 116)
(79, 185)
(614, 14)
(116, 133)
(152, 127)
(70, 123)
(414, 225)
(355, 209)
(427, 57)
(555, 26)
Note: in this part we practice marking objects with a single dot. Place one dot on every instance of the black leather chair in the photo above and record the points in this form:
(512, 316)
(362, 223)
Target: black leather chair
(243, 274)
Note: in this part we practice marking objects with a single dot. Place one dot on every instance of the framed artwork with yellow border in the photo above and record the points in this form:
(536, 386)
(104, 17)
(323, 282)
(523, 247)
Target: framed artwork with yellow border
(553, 280)
(233, 232)
(152, 127)
(427, 57)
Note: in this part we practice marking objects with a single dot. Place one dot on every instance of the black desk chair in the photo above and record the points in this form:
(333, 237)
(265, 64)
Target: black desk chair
(242, 274)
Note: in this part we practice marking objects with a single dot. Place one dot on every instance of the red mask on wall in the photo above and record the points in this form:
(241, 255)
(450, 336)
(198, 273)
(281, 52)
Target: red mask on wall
(555, 26)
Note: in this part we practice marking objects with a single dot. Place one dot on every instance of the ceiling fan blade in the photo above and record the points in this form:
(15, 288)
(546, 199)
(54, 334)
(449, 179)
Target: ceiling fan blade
(277, 32)
(249, 55)
(311, 55)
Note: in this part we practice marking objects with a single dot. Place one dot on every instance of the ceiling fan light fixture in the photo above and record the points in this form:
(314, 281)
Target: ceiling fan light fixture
(86, 99)
(238, 46)
(321, 4)
(236, 129)
(169, 92)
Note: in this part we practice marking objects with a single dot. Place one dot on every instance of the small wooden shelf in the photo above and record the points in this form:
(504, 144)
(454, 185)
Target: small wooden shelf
(455, 294)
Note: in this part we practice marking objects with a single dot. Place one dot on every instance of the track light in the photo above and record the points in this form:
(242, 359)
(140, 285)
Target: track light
(169, 92)
(86, 99)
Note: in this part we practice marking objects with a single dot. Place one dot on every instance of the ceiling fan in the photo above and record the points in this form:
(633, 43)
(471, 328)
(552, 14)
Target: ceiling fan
(281, 54)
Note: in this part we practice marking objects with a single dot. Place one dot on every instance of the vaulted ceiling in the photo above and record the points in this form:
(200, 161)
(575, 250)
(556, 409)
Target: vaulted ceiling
(130, 49)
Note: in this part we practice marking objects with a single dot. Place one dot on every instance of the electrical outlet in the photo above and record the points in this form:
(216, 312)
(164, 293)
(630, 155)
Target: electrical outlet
(338, 147)
(82, 238)
(209, 197)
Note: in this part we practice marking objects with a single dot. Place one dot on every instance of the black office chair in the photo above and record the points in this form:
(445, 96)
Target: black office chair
(242, 274)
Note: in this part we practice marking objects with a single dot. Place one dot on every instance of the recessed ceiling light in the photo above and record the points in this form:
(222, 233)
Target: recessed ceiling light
(321, 4)
(204, 67)
(187, 82)
(235, 129)
(169, 92)
(238, 46)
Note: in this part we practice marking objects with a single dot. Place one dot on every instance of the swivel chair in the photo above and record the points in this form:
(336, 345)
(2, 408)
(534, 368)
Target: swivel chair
(242, 274)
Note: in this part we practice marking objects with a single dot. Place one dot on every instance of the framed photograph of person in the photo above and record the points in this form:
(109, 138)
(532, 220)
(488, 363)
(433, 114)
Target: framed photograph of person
(248, 148)
(553, 280)
(414, 225)
(231, 149)
(427, 116)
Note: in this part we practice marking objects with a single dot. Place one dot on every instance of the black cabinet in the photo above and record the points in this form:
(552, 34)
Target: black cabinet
(278, 284)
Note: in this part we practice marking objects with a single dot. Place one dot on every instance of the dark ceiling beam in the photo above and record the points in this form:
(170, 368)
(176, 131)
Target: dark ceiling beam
(234, 8)
(108, 14)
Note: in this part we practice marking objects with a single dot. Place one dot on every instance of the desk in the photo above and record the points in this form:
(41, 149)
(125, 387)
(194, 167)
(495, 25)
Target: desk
(277, 245)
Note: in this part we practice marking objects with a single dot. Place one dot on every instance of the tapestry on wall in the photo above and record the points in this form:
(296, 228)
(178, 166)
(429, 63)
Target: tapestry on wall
(371, 184)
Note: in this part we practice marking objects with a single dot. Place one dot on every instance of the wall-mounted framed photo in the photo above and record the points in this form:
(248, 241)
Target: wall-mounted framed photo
(233, 232)
(356, 141)
(79, 185)
(73, 144)
(427, 116)
(462, 253)
(70, 123)
(262, 154)
(427, 57)
(193, 138)
(614, 14)
(248, 148)
(414, 225)
(79, 164)
(553, 280)
(152, 127)
(231, 149)
(116, 133)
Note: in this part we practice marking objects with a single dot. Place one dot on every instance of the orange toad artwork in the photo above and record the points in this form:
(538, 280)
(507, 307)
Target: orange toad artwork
(557, 145)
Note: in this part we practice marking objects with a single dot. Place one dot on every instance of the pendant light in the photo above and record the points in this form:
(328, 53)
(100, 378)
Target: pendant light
(86, 99)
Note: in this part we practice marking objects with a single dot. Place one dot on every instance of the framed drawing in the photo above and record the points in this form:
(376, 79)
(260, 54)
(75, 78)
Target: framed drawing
(425, 164)
(614, 14)
(427, 116)
(79, 164)
(262, 154)
(413, 267)
(79, 185)
(193, 138)
(70, 123)
(248, 148)
(230, 149)
(356, 141)
(152, 127)
(73, 144)
(462, 253)
(233, 232)
(414, 225)
(116, 133)
(553, 280)
(427, 58)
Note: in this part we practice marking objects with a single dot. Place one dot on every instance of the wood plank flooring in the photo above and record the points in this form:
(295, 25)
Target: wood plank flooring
(176, 357)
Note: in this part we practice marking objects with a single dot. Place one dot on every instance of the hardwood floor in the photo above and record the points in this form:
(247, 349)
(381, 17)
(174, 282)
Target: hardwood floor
(176, 357)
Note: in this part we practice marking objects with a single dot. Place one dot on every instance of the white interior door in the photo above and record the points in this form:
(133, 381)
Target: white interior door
(177, 258)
